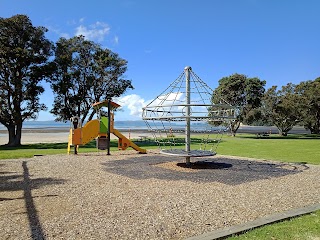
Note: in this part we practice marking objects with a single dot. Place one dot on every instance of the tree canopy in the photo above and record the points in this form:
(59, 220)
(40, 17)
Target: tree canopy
(281, 107)
(241, 91)
(84, 73)
(309, 104)
(24, 52)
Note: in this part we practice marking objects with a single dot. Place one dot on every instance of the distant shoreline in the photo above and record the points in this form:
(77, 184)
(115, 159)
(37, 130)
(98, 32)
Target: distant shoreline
(242, 129)
(63, 130)
(60, 134)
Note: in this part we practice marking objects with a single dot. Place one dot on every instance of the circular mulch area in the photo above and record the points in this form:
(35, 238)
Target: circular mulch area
(152, 196)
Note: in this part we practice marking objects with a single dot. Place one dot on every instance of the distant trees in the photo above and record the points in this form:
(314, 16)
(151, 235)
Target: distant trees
(24, 52)
(84, 73)
(243, 92)
(284, 108)
(281, 107)
(293, 105)
(309, 104)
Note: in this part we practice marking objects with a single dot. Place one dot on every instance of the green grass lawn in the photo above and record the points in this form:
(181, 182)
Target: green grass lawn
(293, 148)
(29, 150)
(299, 228)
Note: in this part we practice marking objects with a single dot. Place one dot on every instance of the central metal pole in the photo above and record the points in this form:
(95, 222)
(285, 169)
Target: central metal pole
(109, 126)
(187, 132)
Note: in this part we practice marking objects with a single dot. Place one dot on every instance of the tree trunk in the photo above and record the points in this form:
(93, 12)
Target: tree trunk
(14, 135)
(314, 129)
(234, 127)
(283, 132)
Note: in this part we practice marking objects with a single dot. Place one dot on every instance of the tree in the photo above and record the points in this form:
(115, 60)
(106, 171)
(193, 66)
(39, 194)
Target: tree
(24, 52)
(243, 92)
(84, 73)
(281, 107)
(309, 95)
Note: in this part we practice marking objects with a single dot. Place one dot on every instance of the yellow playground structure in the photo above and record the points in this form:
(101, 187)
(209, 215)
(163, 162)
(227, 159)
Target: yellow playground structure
(99, 129)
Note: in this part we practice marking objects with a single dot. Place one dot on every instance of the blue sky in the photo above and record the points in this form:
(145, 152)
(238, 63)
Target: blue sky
(275, 40)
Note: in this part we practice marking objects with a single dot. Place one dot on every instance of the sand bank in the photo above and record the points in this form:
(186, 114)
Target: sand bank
(61, 135)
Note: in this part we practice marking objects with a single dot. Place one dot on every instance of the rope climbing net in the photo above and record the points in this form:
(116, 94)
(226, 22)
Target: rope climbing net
(183, 114)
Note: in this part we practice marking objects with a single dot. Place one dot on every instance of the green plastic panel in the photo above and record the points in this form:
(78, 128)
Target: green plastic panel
(104, 125)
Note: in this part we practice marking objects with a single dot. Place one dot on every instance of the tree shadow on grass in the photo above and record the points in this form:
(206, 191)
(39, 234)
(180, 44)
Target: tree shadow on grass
(10, 181)
(36, 146)
(230, 171)
(277, 136)
(61, 145)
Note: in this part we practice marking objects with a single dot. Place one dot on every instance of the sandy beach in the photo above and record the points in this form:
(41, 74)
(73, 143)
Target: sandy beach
(39, 135)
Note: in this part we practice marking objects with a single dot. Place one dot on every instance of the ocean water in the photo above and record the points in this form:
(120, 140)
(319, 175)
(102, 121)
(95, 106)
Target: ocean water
(41, 124)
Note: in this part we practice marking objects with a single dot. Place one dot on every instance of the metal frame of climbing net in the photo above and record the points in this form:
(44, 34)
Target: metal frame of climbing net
(187, 99)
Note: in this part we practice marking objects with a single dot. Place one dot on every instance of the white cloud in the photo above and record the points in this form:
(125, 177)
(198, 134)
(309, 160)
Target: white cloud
(116, 39)
(132, 106)
(166, 105)
(133, 102)
(96, 31)
(168, 99)
(58, 32)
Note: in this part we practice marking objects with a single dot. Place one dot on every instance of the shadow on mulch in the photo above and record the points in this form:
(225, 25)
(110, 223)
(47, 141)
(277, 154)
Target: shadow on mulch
(224, 170)
(204, 165)
(10, 181)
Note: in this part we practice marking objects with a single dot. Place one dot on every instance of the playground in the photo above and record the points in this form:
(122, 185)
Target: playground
(99, 129)
(132, 196)
(185, 188)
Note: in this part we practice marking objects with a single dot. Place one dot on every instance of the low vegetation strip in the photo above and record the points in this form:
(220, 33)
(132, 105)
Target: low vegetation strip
(238, 229)
(299, 148)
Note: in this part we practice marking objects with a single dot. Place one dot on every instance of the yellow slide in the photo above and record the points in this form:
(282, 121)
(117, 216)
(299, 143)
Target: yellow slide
(82, 136)
(90, 131)
(124, 142)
